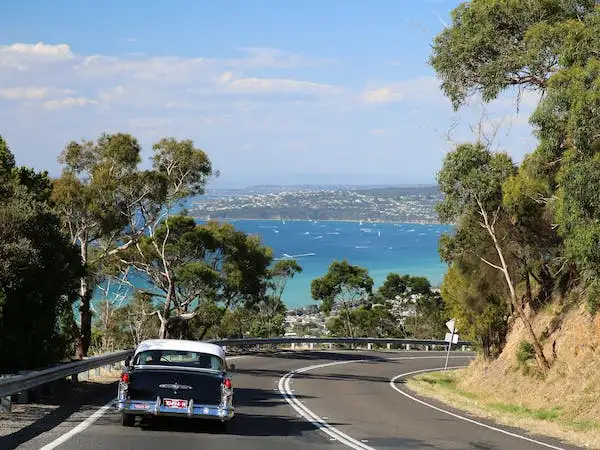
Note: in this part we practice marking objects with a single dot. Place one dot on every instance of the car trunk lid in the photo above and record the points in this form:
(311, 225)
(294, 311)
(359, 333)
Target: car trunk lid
(204, 387)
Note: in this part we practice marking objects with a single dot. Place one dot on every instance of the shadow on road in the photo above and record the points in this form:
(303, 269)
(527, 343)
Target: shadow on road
(31, 420)
(311, 355)
(241, 425)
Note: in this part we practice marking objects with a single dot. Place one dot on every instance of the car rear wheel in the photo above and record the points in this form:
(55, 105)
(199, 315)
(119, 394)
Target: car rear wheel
(127, 420)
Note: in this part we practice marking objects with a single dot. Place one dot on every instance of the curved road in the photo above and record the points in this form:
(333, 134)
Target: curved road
(307, 400)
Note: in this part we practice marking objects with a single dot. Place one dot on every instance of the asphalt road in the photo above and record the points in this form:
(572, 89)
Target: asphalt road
(284, 402)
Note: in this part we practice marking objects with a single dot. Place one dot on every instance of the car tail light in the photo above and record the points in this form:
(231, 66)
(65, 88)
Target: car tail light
(125, 377)
(227, 383)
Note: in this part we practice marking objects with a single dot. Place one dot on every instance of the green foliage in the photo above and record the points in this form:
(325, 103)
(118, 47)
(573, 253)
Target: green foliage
(368, 321)
(525, 352)
(343, 285)
(415, 292)
(471, 178)
(108, 203)
(549, 46)
(494, 44)
(187, 264)
(394, 285)
(38, 274)
(475, 296)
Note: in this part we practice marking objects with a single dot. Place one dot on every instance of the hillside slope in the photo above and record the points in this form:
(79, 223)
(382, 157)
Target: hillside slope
(573, 383)
(569, 394)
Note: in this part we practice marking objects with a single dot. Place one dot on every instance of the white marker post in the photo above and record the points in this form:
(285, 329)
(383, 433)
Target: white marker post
(451, 338)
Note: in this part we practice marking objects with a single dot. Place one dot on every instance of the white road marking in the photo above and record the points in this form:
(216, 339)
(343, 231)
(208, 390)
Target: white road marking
(457, 416)
(90, 420)
(79, 428)
(319, 422)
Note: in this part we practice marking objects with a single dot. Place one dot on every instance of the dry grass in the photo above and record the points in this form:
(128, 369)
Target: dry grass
(564, 403)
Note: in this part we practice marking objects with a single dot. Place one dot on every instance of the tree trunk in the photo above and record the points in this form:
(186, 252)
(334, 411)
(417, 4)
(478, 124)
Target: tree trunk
(539, 352)
(164, 319)
(348, 323)
(162, 333)
(204, 331)
(85, 314)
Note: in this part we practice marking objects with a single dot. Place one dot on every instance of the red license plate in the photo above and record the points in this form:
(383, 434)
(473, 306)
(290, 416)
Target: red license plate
(174, 403)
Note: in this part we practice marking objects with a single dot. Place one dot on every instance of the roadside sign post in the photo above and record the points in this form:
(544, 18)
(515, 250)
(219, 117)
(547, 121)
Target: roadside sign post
(451, 338)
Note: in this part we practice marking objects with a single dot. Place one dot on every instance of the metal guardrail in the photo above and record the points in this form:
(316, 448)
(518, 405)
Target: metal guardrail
(331, 340)
(18, 383)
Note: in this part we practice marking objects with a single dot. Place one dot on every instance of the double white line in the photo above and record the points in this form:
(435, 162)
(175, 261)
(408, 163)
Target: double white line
(334, 433)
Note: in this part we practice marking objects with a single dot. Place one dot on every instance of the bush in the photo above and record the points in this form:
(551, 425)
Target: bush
(525, 352)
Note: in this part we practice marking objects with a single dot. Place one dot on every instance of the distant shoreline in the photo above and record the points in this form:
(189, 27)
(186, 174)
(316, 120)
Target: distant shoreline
(326, 220)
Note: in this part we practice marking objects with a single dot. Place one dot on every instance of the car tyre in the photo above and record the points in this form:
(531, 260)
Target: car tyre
(127, 420)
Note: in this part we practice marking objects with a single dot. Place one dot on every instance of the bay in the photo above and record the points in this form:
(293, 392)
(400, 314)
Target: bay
(379, 247)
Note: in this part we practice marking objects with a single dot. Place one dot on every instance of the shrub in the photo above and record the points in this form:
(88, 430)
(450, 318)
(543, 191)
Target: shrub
(525, 352)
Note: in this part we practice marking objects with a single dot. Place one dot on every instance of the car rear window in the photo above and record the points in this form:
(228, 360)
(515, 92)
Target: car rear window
(179, 358)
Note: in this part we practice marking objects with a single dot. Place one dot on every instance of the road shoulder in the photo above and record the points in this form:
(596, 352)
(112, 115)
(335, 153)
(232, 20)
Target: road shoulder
(441, 387)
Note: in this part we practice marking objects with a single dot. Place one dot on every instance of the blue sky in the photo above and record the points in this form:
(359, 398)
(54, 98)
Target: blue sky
(276, 92)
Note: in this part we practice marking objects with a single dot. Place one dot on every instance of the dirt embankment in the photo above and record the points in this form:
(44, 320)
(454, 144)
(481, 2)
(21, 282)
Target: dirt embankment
(571, 342)
(563, 403)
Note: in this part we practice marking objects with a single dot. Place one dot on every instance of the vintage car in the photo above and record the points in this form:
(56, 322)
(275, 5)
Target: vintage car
(167, 377)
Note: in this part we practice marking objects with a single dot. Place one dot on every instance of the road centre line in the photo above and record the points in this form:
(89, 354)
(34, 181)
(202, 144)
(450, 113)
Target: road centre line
(320, 423)
(310, 416)
(458, 416)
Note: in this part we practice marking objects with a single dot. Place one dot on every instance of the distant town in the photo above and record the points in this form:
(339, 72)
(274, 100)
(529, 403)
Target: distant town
(406, 204)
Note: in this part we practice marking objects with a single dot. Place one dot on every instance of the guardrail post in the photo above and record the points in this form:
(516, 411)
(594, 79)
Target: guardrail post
(369, 346)
(407, 346)
(293, 346)
(427, 348)
(389, 346)
(6, 404)
(311, 345)
(464, 348)
(23, 396)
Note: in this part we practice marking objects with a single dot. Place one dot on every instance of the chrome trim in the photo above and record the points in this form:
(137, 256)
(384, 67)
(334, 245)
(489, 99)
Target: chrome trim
(175, 387)
(148, 407)
(190, 407)
(157, 406)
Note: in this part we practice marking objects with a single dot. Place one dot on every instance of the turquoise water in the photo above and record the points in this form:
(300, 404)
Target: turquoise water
(381, 248)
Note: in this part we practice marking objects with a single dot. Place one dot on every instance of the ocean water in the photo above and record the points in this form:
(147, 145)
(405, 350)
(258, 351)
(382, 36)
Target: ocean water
(380, 247)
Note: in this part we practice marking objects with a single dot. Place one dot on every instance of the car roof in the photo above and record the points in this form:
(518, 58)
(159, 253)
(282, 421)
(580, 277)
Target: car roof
(181, 345)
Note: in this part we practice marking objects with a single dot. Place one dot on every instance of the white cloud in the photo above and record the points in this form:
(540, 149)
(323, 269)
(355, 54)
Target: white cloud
(420, 88)
(24, 93)
(274, 85)
(40, 49)
(22, 57)
(32, 93)
(69, 102)
(274, 58)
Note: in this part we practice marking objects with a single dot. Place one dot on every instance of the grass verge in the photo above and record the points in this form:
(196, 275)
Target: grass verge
(551, 421)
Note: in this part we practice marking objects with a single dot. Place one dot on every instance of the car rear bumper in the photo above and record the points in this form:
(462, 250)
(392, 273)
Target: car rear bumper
(156, 408)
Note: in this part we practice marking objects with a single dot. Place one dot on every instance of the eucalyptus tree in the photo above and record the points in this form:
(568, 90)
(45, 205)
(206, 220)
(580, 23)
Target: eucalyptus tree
(184, 265)
(343, 285)
(107, 203)
(38, 271)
